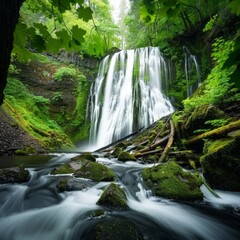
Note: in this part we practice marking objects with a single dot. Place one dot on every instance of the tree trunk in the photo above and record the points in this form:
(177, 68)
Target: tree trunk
(9, 14)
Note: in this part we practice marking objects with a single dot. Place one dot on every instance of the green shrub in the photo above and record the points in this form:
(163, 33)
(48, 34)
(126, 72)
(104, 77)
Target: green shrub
(64, 72)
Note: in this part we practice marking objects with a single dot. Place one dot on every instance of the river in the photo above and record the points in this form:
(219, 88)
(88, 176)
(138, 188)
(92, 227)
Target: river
(36, 210)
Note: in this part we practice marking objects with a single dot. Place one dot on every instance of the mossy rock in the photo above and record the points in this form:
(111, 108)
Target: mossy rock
(116, 152)
(117, 229)
(113, 197)
(170, 181)
(125, 156)
(70, 184)
(199, 116)
(85, 156)
(95, 171)
(63, 169)
(85, 169)
(14, 175)
(221, 163)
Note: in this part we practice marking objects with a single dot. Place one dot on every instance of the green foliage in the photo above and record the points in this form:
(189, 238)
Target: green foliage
(217, 122)
(32, 113)
(210, 24)
(57, 97)
(63, 72)
(218, 82)
(52, 25)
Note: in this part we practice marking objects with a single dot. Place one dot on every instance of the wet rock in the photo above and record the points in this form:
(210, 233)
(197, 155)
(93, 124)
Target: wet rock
(113, 197)
(170, 181)
(221, 163)
(14, 175)
(95, 171)
(125, 156)
(86, 169)
(116, 229)
(70, 185)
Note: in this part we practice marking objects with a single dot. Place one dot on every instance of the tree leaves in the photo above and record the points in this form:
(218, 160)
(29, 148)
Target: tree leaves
(84, 13)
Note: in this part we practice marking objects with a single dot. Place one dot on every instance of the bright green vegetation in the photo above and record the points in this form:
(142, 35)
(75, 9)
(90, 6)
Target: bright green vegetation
(113, 197)
(170, 181)
(51, 25)
(32, 114)
(64, 72)
(221, 163)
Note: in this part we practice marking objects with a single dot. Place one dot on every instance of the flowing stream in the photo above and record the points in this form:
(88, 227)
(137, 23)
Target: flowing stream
(37, 211)
(128, 94)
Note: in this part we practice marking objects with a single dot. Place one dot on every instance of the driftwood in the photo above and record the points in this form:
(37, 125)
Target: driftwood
(143, 154)
(167, 121)
(156, 144)
(218, 132)
(169, 144)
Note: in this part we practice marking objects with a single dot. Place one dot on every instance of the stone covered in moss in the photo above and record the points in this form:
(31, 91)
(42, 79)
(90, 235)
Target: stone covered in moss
(199, 116)
(113, 197)
(117, 229)
(86, 169)
(116, 152)
(14, 175)
(95, 171)
(70, 184)
(221, 163)
(170, 181)
(125, 156)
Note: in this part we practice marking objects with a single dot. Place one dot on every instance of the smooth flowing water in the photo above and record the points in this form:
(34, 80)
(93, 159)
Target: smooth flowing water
(37, 211)
(128, 94)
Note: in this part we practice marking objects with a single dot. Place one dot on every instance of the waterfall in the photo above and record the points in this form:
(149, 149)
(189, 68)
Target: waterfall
(127, 94)
(192, 71)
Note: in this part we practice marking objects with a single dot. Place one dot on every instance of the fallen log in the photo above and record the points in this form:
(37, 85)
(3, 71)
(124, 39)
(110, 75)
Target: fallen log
(218, 132)
(156, 144)
(143, 154)
(169, 144)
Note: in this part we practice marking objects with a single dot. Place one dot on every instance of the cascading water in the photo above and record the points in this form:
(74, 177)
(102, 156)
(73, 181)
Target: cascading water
(192, 71)
(127, 94)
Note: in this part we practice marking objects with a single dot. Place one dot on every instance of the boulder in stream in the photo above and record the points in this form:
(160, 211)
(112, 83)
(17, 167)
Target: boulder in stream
(82, 167)
(113, 197)
(169, 180)
(14, 175)
(117, 229)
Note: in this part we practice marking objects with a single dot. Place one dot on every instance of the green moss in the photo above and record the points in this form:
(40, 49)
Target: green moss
(113, 197)
(170, 181)
(125, 156)
(117, 229)
(221, 163)
(116, 152)
(95, 171)
(63, 169)
(25, 151)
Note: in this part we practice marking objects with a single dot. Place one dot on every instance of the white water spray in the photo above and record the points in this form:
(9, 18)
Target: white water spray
(127, 94)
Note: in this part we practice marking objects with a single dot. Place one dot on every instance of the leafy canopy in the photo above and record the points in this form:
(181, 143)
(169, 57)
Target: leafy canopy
(73, 25)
